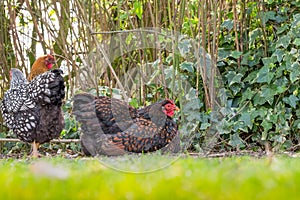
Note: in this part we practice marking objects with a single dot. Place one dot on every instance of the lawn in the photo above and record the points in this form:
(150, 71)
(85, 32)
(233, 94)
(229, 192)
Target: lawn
(151, 177)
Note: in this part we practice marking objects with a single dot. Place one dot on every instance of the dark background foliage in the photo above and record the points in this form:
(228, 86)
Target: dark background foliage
(247, 98)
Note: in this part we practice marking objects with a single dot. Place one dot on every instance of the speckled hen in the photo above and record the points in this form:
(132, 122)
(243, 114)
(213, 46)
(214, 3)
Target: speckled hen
(25, 107)
(112, 127)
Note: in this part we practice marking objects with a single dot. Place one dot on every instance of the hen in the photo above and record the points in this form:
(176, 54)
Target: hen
(112, 127)
(41, 65)
(33, 109)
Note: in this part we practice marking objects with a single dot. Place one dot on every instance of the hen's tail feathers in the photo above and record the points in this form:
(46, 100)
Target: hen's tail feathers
(48, 88)
(57, 87)
(84, 110)
(93, 140)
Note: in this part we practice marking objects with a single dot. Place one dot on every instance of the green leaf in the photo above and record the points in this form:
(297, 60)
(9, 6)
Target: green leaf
(246, 118)
(192, 105)
(294, 72)
(255, 34)
(134, 103)
(269, 61)
(258, 100)
(224, 127)
(124, 16)
(169, 59)
(248, 94)
(279, 138)
(283, 41)
(280, 85)
(282, 29)
(268, 94)
(228, 24)
(232, 77)
(293, 51)
(296, 42)
(264, 75)
(236, 54)
(138, 9)
(279, 53)
(291, 100)
(236, 141)
(266, 16)
(204, 126)
(236, 88)
(188, 66)
(260, 112)
(184, 46)
(267, 126)
(251, 78)
(193, 116)
(223, 53)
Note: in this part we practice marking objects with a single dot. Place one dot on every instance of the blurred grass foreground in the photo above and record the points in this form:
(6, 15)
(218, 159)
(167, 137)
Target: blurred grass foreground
(186, 178)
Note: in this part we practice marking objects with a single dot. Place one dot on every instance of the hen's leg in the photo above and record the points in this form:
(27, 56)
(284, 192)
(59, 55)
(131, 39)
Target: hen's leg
(35, 152)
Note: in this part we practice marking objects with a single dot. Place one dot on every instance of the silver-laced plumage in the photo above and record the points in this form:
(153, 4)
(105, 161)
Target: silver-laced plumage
(33, 109)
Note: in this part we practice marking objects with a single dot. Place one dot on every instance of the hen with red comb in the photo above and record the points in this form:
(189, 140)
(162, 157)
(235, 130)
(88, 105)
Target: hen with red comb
(112, 127)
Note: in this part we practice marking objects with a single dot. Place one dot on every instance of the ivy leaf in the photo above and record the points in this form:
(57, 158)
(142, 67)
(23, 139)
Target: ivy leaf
(293, 51)
(269, 61)
(255, 34)
(291, 100)
(251, 78)
(192, 105)
(261, 112)
(279, 138)
(193, 116)
(188, 66)
(267, 126)
(258, 100)
(281, 85)
(248, 94)
(236, 54)
(283, 41)
(282, 29)
(279, 53)
(294, 72)
(228, 24)
(266, 16)
(224, 127)
(246, 118)
(204, 126)
(236, 141)
(232, 77)
(297, 42)
(268, 94)
(236, 88)
(184, 46)
(223, 53)
(264, 75)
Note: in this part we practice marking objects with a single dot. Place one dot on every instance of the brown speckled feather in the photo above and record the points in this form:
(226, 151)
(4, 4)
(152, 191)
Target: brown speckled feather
(112, 127)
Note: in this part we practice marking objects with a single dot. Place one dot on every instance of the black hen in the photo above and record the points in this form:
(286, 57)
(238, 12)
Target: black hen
(112, 127)
(33, 109)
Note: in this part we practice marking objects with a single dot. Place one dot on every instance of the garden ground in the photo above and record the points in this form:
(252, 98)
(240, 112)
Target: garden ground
(151, 177)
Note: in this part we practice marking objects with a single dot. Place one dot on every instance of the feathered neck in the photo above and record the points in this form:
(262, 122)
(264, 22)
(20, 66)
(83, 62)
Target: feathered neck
(17, 78)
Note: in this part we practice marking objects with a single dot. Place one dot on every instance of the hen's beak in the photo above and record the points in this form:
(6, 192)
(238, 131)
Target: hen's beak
(176, 108)
(52, 61)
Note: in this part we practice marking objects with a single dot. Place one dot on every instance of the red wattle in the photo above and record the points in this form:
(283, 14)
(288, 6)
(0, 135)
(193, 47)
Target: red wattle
(49, 66)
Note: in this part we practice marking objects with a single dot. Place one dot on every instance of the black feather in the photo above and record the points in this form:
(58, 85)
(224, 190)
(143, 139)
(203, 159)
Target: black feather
(33, 110)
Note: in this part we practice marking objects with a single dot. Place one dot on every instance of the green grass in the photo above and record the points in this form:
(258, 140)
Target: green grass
(186, 178)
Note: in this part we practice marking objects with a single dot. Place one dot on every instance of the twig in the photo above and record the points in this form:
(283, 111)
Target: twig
(54, 141)
(131, 31)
